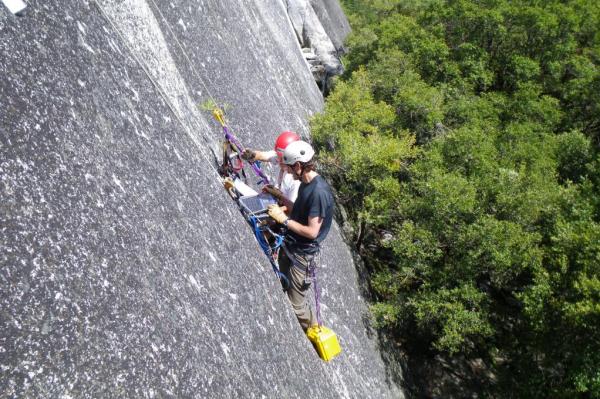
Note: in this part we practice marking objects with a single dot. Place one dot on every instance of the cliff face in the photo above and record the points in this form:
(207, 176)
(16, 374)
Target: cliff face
(320, 27)
(126, 270)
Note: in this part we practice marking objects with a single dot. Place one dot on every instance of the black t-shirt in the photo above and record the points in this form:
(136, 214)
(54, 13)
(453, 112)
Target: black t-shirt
(314, 199)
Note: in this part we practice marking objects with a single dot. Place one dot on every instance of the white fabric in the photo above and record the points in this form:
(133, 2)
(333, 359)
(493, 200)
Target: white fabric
(285, 181)
(243, 188)
(289, 186)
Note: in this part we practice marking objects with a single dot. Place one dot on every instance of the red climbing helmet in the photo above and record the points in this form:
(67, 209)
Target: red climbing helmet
(283, 140)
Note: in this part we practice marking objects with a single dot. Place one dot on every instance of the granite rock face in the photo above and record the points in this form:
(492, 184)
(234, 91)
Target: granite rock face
(321, 27)
(125, 269)
(333, 20)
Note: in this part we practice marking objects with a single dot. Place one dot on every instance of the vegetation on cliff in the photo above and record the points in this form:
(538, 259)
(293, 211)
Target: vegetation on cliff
(463, 143)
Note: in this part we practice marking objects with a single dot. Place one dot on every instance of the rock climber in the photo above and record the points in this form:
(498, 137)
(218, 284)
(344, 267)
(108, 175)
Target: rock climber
(308, 223)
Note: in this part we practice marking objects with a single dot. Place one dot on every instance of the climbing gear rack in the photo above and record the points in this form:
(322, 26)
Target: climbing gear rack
(232, 171)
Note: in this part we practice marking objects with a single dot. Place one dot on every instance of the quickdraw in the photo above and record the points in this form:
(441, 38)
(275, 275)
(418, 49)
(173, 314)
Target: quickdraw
(232, 168)
(232, 153)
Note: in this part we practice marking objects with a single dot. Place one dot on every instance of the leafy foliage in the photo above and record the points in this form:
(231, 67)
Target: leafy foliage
(357, 140)
(463, 140)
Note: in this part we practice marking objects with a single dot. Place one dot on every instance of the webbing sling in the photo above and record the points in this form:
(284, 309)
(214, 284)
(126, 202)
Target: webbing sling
(313, 272)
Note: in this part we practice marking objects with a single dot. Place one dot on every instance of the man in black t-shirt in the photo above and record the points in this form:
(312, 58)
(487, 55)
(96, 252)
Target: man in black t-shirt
(309, 222)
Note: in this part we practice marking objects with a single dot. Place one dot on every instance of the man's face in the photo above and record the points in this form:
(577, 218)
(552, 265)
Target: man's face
(295, 170)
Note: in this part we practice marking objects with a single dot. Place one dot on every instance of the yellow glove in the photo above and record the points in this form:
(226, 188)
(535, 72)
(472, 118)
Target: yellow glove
(277, 214)
(275, 192)
(249, 155)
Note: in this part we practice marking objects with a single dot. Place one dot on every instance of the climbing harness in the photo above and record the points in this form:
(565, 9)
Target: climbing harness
(232, 170)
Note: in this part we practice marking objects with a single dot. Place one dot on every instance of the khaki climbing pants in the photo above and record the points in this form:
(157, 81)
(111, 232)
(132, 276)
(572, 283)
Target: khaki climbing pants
(295, 266)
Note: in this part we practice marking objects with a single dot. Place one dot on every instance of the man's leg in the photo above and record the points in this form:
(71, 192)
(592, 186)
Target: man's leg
(298, 288)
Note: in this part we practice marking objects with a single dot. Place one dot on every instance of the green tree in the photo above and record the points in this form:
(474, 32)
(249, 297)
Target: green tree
(464, 142)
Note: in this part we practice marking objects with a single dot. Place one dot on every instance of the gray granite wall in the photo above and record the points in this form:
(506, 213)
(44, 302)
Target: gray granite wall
(125, 269)
(333, 19)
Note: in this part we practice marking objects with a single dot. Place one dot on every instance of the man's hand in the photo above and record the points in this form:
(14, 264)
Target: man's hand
(277, 214)
(275, 192)
(249, 155)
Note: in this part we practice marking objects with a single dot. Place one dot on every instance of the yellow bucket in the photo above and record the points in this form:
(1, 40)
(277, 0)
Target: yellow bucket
(325, 342)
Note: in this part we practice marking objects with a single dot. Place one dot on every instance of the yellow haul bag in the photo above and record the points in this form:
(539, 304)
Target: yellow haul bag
(325, 342)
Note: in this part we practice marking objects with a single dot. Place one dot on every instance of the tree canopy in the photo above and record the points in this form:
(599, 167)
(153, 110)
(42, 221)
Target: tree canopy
(463, 142)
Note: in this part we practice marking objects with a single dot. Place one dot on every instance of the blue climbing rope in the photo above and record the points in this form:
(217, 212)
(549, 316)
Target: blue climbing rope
(271, 250)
